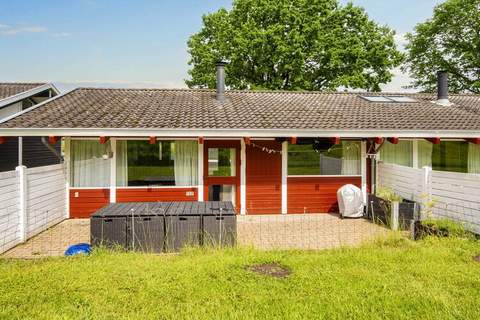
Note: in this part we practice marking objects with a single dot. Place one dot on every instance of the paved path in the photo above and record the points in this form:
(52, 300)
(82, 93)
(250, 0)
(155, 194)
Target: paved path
(311, 231)
(54, 241)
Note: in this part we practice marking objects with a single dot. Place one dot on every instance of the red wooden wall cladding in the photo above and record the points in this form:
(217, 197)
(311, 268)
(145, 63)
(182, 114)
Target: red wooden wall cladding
(157, 194)
(264, 178)
(316, 194)
(84, 202)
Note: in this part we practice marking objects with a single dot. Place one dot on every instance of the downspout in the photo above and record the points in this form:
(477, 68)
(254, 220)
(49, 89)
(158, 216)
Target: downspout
(52, 149)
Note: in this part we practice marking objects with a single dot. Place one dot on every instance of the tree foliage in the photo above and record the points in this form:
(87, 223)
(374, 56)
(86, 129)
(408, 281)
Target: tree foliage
(449, 41)
(293, 45)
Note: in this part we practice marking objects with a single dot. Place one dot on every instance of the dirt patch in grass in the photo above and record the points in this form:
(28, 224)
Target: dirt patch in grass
(477, 258)
(273, 269)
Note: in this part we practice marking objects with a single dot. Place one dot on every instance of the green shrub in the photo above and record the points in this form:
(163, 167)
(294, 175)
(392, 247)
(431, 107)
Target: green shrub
(388, 194)
(443, 228)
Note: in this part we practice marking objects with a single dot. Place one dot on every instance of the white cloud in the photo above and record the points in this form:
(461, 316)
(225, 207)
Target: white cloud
(61, 34)
(6, 30)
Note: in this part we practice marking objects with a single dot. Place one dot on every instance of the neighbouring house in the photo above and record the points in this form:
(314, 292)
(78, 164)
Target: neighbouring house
(30, 151)
(269, 152)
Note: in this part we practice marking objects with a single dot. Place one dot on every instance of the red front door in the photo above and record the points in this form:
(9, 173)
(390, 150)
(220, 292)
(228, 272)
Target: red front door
(221, 171)
(264, 177)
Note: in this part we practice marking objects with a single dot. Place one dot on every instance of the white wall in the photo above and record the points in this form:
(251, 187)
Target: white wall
(455, 195)
(45, 203)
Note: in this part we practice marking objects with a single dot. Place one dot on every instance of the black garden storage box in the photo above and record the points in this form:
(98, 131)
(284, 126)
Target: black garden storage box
(138, 226)
(219, 224)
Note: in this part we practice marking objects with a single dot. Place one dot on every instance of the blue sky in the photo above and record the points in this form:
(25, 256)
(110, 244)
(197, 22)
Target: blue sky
(131, 43)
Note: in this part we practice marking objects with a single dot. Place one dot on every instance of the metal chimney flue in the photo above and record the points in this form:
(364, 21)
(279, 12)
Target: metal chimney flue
(221, 80)
(442, 88)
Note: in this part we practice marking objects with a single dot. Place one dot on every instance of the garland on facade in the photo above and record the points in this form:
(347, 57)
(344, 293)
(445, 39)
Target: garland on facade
(265, 149)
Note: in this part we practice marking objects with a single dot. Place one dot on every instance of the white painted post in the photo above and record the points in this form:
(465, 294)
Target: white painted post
(284, 177)
(113, 171)
(20, 151)
(415, 153)
(426, 187)
(200, 172)
(66, 160)
(394, 215)
(22, 176)
(243, 178)
(363, 166)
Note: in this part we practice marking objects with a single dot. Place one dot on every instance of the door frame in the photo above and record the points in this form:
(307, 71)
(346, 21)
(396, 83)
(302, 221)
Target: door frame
(235, 181)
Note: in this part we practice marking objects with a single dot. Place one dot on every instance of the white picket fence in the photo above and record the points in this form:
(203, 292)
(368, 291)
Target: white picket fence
(455, 195)
(31, 201)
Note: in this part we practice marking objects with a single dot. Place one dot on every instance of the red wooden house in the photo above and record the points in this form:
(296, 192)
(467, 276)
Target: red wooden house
(268, 152)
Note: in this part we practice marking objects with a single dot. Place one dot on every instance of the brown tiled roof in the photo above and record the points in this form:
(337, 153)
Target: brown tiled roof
(9, 89)
(198, 109)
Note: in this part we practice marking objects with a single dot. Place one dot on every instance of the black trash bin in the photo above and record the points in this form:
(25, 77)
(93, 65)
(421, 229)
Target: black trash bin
(138, 226)
(182, 226)
(219, 224)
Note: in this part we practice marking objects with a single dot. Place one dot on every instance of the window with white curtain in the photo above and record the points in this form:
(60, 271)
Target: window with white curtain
(165, 163)
(342, 159)
(400, 153)
(90, 163)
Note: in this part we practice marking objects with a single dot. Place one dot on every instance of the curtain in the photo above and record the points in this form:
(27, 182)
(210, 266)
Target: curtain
(425, 150)
(122, 164)
(233, 161)
(400, 153)
(473, 158)
(186, 163)
(350, 158)
(90, 163)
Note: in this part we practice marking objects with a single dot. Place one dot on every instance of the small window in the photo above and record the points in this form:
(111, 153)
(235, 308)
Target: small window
(403, 99)
(398, 99)
(376, 99)
(221, 162)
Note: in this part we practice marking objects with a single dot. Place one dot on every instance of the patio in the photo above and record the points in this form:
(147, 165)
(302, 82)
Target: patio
(312, 231)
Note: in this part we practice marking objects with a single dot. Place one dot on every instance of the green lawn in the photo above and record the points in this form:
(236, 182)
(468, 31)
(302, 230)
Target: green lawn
(395, 279)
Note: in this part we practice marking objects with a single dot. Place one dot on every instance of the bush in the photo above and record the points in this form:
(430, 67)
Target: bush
(388, 194)
(442, 228)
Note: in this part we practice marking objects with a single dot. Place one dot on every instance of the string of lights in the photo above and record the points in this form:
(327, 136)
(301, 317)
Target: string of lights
(265, 149)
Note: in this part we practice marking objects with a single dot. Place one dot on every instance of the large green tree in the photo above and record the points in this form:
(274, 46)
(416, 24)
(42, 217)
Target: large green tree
(293, 45)
(449, 41)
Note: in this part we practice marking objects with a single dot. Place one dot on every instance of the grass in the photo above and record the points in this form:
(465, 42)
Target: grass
(397, 279)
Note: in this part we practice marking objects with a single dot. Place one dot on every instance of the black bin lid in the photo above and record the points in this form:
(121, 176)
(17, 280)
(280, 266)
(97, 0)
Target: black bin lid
(135, 208)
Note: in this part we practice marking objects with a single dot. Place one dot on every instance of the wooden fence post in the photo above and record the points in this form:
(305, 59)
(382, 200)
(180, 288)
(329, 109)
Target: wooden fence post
(22, 176)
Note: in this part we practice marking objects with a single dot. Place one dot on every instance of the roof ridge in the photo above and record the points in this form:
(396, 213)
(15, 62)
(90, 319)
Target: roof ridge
(387, 93)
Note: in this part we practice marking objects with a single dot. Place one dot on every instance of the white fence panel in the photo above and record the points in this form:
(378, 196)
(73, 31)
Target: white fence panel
(9, 210)
(45, 203)
(455, 195)
(405, 181)
(46, 200)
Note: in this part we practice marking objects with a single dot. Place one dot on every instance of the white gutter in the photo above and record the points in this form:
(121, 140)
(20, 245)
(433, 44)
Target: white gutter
(27, 94)
(224, 132)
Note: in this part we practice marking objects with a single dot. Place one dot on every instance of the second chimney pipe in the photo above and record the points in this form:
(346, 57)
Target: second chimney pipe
(221, 80)
(442, 87)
